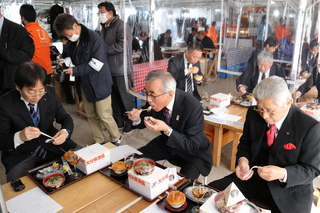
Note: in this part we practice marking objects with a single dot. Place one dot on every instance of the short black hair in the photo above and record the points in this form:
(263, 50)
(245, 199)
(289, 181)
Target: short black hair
(272, 41)
(28, 74)
(28, 12)
(193, 29)
(109, 7)
(64, 21)
(313, 43)
(195, 46)
(168, 31)
(143, 34)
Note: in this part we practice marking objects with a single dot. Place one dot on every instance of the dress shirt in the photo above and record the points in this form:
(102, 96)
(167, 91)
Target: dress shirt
(1, 23)
(267, 74)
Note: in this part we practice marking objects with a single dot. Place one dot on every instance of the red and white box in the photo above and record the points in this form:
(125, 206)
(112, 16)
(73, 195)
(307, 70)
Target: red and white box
(93, 158)
(220, 99)
(149, 186)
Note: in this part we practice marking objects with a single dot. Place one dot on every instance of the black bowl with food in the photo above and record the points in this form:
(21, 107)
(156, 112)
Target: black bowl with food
(54, 181)
(144, 166)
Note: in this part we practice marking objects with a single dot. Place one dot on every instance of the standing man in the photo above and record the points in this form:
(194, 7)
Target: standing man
(113, 35)
(192, 37)
(40, 37)
(24, 112)
(284, 142)
(87, 51)
(178, 116)
(16, 47)
(309, 56)
(282, 30)
(212, 34)
(165, 39)
(248, 80)
(183, 67)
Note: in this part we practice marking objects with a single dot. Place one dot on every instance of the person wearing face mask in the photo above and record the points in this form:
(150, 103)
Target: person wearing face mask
(40, 37)
(113, 34)
(87, 51)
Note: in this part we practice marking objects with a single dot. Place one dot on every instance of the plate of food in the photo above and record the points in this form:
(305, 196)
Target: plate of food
(245, 103)
(188, 193)
(143, 166)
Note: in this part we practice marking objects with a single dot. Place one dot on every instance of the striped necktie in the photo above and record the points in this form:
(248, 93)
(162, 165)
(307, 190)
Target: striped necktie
(167, 116)
(189, 82)
(40, 151)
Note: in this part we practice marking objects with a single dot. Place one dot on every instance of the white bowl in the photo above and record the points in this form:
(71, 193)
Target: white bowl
(218, 111)
(177, 206)
(119, 172)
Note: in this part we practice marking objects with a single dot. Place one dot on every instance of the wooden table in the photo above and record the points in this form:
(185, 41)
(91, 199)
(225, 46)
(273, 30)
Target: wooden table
(222, 134)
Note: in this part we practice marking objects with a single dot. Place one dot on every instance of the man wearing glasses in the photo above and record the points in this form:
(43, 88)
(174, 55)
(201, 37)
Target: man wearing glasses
(25, 114)
(178, 116)
(283, 142)
(248, 80)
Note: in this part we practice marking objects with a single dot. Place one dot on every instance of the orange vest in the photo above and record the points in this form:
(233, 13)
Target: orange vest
(42, 41)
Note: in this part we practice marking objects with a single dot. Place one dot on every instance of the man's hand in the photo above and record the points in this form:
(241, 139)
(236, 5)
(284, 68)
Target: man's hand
(60, 137)
(156, 125)
(270, 173)
(243, 168)
(68, 71)
(242, 89)
(29, 133)
(134, 114)
(193, 70)
(296, 95)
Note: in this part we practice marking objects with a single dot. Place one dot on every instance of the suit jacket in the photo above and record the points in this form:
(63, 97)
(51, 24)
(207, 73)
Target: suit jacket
(313, 80)
(302, 164)
(306, 63)
(250, 77)
(145, 51)
(207, 42)
(187, 139)
(176, 67)
(161, 40)
(15, 116)
(190, 39)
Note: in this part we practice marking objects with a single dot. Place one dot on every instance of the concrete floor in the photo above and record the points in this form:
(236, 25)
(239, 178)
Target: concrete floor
(138, 138)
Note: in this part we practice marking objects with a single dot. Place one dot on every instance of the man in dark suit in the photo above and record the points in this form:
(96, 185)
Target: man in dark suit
(24, 112)
(248, 80)
(192, 37)
(165, 39)
(187, 64)
(205, 40)
(309, 55)
(178, 116)
(284, 142)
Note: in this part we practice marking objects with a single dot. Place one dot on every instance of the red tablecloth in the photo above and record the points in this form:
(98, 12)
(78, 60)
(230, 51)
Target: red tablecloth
(141, 70)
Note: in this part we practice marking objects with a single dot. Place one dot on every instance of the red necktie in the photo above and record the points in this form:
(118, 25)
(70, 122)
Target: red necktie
(271, 134)
(166, 115)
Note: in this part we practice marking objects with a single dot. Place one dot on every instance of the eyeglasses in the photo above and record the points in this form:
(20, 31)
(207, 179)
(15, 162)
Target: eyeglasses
(32, 96)
(260, 111)
(153, 97)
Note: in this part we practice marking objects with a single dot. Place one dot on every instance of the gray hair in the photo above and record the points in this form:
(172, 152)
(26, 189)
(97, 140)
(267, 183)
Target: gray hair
(274, 88)
(168, 82)
(265, 55)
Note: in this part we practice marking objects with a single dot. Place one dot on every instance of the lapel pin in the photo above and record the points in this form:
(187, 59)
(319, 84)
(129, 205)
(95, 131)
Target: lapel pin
(178, 117)
(288, 133)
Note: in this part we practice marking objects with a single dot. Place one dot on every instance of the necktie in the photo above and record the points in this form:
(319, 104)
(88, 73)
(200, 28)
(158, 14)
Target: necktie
(271, 134)
(40, 151)
(263, 76)
(189, 82)
(166, 115)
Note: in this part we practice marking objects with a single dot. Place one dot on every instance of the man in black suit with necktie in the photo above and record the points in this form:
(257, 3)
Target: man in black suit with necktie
(178, 116)
(24, 112)
(183, 68)
(283, 142)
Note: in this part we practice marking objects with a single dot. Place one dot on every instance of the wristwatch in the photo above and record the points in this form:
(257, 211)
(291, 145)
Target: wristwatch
(168, 132)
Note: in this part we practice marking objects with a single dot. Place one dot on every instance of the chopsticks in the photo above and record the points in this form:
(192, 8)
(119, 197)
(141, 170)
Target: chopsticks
(46, 135)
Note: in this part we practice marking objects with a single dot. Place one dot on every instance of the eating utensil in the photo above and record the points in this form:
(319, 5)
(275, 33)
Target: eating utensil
(148, 109)
(248, 173)
(42, 133)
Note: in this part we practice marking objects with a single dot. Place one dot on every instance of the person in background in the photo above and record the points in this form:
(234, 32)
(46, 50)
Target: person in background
(113, 34)
(206, 30)
(16, 47)
(145, 48)
(135, 44)
(205, 40)
(212, 34)
(265, 68)
(192, 36)
(282, 30)
(286, 47)
(309, 56)
(186, 66)
(24, 112)
(87, 51)
(178, 116)
(40, 37)
(165, 39)
(283, 142)
(262, 30)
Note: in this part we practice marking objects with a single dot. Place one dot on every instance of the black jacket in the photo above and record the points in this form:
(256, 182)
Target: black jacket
(161, 40)
(145, 51)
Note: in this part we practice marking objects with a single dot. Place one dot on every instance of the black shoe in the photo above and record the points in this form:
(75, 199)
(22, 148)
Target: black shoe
(117, 143)
(127, 129)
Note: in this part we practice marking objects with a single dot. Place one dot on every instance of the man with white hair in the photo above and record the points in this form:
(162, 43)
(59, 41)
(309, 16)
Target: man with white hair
(178, 116)
(283, 142)
(265, 68)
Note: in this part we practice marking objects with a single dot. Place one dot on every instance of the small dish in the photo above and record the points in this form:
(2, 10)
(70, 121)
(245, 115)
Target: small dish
(170, 208)
(245, 103)
(118, 167)
(54, 181)
(144, 166)
(231, 209)
(188, 192)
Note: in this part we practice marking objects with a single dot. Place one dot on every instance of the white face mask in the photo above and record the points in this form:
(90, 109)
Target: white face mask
(103, 18)
(74, 37)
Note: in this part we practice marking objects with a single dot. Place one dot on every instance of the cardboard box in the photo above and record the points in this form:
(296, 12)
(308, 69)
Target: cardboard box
(93, 158)
(220, 100)
(209, 205)
(149, 186)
